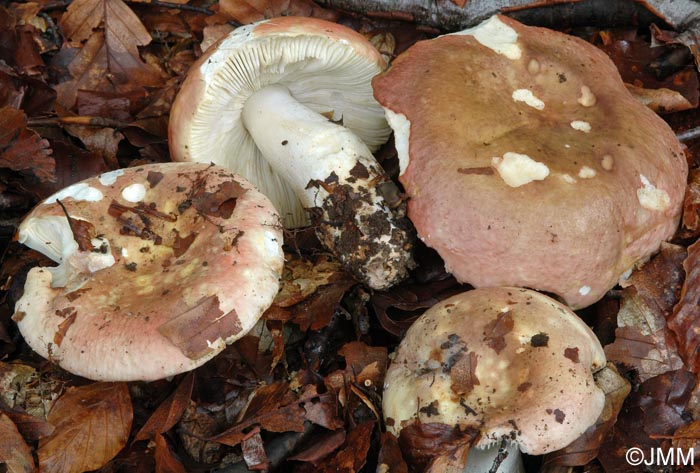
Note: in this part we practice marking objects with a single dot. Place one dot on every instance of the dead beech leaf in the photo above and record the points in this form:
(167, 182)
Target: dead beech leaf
(92, 423)
(22, 149)
(353, 455)
(166, 462)
(660, 100)
(14, 452)
(322, 447)
(425, 444)
(31, 428)
(249, 11)
(254, 451)
(684, 321)
(109, 61)
(390, 457)
(691, 206)
(169, 411)
(641, 339)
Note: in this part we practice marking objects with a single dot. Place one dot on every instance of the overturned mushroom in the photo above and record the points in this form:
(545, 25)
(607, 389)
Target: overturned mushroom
(503, 364)
(160, 266)
(268, 102)
(527, 162)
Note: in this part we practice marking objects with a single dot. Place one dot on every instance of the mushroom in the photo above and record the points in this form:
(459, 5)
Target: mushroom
(287, 103)
(160, 266)
(527, 162)
(510, 364)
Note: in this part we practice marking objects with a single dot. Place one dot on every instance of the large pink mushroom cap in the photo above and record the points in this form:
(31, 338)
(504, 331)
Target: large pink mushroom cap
(160, 267)
(527, 161)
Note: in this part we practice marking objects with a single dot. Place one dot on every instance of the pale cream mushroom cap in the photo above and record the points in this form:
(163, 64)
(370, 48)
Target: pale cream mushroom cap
(185, 259)
(509, 362)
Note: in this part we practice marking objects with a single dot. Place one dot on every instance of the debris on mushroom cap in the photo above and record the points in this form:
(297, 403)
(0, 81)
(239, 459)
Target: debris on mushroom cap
(268, 101)
(527, 162)
(160, 267)
(510, 362)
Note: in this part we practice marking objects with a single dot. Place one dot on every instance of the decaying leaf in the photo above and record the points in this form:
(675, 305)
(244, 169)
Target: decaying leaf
(684, 321)
(423, 445)
(93, 424)
(390, 457)
(166, 461)
(353, 454)
(322, 447)
(691, 206)
(109, 59)
(249, 11)
(22, 149)
(15, 454)
(170, 411)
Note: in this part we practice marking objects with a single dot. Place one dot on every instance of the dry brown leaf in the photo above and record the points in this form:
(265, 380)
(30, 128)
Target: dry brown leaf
(353, 455)
(322, 447)
(15, 455)
(170, 411)
(254, 451)
(31, 428)
(109, 61)
(684, 321)
(390, 457)
(425, 444)
(166, 462)
(249, 11)
(691, 206)
(22, 149)
(92, 423)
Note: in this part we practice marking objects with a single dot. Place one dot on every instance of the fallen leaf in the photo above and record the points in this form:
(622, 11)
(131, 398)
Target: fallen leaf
(31, 427)
(691, 206)
(353, 455)
(390, 457)
(424, 444)
(684, 321)
(322, 447)
(23, 150)
(254, 451)
(15, 454)
(166, 462)
(109, 60)
(249, 11)
(169, 411)
(93, 424)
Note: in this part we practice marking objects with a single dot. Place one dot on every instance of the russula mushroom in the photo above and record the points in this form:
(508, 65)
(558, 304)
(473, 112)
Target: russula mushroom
(527, 162)
(506, 363)
(160, 266)
(268, 101)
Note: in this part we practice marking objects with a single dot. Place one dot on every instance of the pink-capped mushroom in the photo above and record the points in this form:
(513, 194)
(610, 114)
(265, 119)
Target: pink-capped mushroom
(527, 162)
(504, 364)
(287, 103)
(160, 266)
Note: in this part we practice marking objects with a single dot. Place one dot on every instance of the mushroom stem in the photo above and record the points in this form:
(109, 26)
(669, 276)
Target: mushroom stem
(334, 175)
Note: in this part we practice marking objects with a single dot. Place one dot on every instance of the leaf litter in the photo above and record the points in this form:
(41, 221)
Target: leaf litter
(86, 86)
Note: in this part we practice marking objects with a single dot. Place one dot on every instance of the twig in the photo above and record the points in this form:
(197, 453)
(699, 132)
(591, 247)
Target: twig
(183, 7)
(79, 120)
(689, 135)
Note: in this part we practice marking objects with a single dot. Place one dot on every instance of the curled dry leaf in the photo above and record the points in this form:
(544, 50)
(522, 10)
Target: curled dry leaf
(23, 150)
(322, 447)
(15, 455)
(109, 60)
(249, 11)
(424, 445)
(93, 424)
(691, 206)
(166, 461)
(684, 321)
(353, 454)
(170, 411)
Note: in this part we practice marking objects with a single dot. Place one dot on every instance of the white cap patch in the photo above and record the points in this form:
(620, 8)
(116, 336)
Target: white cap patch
(134, 192)
(496, 35)
(587, 99)
(652, 198)
(525, 95)
(519, 169)
(580, 125)
(584, 290)
(78, 192)
(607, 162)
(568, 178)
(586, 173)
(109, 178)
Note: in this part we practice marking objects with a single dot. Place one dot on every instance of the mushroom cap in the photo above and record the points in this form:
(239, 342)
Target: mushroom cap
(527, 162)
(509, 362)
(326, 66)
(185, 259)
